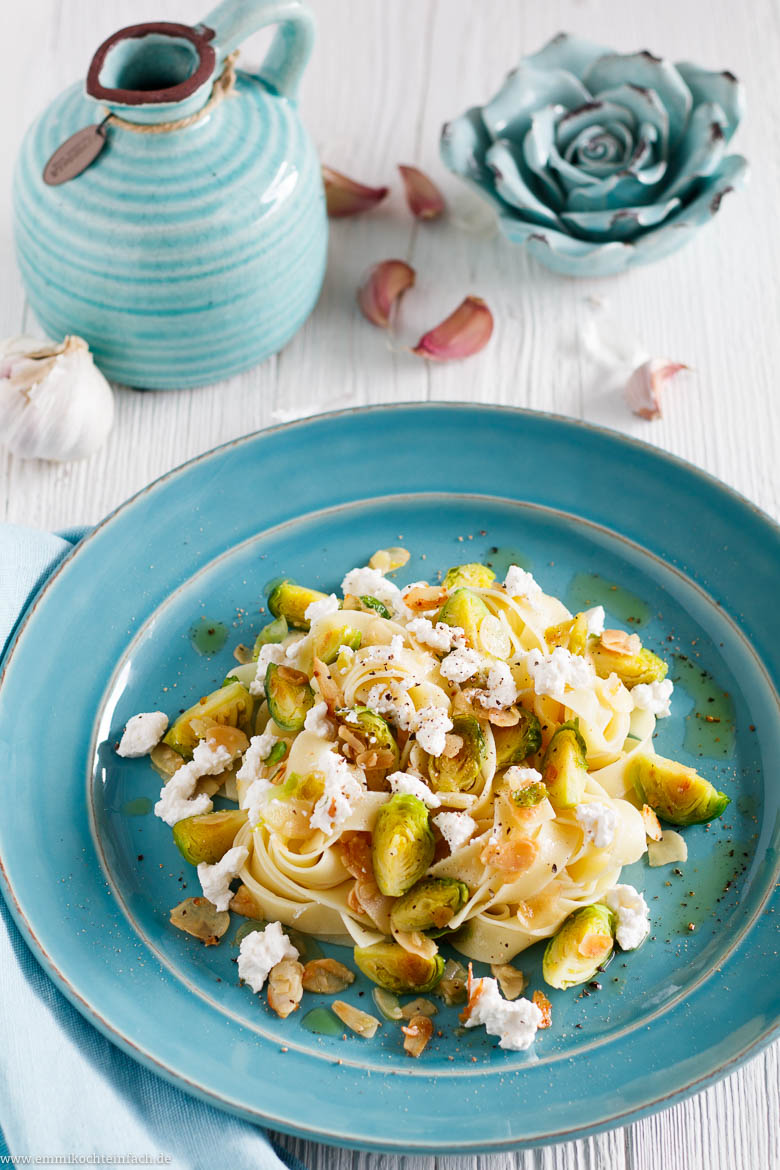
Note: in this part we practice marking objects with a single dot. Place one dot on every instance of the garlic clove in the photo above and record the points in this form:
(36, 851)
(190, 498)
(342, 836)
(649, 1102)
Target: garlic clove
(423, 196)
(54, 402)
(343, 196)
(382, 286)
(643, 388)
(465, 332)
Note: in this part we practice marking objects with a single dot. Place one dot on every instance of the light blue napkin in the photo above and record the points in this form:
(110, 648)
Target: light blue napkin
(64, 1088)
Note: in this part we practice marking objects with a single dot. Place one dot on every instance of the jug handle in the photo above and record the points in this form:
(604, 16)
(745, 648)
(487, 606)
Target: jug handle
(232, 21)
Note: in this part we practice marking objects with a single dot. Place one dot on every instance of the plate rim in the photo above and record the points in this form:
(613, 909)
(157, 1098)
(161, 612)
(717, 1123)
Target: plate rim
(221, 1101)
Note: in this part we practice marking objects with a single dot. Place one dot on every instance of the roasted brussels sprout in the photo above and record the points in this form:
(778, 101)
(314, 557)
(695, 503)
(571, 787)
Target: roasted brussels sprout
(291, 601)
(515, 744)
(631, 669)
(529, 795)
(276, 631)
(276, 754)
(429, 905)
(208, 837)
(460, 772)
(231, 705)
(390, 966)
(475, 575)
(466, 610)
(289, 696)
(374, 729)
(327, 643)
(583, 943)
(377, 606)
(402, 844)
(564, 767)
(677, 794)
(572, 635)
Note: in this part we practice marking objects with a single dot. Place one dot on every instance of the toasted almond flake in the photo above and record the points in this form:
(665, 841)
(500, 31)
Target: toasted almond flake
(452, 745)
(545, 1007)
(244, 903)
(326, 976)
(416, 943)
(511, 980)
(619, 642)
(366, 759)
(506, 718)
(426, 597)
(670, 849)
(285, 987)
(512, 855)
(419, 1007)
(349, 737)
(417, 1034)
(653, 828)
(360, 1022)
(329, 689)
(201, 919)
(388, 559)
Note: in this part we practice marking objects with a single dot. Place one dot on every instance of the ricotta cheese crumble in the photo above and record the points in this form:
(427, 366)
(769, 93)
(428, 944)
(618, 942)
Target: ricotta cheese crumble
(142, 734)
(215, 879)
(259, 953)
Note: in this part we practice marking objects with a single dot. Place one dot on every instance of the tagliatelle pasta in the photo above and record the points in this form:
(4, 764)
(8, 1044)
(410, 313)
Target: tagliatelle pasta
(460, 763)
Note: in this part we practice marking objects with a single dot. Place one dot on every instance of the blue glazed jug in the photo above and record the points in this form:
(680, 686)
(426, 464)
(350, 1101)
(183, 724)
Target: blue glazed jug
(194, 245)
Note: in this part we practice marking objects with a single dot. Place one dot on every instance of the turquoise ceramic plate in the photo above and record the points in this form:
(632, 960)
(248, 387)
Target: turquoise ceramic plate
(91, 884)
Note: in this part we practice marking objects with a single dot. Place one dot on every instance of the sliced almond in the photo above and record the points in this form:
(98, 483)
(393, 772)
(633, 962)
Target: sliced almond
(330, 690)
(360, 1022)
(652, 824)
(285, 987)
(419, 1007)
(326, 976)
(452, 745)
(244, 903)
(511, 980)
(201, 919)
(545, 1007)
(619, 642)
(426, 597)
(417, 1034)
(388, 559)
(506, 718)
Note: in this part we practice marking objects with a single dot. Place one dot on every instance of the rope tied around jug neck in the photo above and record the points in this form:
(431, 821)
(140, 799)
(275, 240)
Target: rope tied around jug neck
(223, 87)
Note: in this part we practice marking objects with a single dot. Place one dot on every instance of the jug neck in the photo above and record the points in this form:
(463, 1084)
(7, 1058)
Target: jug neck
(154, 72)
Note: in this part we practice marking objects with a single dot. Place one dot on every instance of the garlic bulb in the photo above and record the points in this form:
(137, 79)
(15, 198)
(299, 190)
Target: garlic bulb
(54, 402)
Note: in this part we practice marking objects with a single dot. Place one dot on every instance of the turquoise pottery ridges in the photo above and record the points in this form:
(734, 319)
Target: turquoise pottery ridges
(185, 256)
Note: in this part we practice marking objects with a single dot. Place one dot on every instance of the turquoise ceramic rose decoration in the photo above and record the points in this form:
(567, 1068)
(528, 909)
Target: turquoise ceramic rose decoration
(597, 160)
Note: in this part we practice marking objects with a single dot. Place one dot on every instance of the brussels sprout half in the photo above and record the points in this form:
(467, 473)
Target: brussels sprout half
(631, 669)
(677, 794)
(572, 635)
(515, 744)
(466, 610)
(208, 836)
(327, 643)
(429, 905)
(583, 943)
(373, 728)
(390, 966)
(231, 705)
(473, 574)
(275, 632)
(564, 767)
(291, 601)
(459, 773)
(289, 696)
(402, 844)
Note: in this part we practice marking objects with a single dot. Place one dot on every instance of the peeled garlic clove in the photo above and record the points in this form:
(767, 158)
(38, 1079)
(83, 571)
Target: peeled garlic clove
(643, 388)
(343, 196)
(54, 402)
(463, 333)
(382, 286)
(423, 196)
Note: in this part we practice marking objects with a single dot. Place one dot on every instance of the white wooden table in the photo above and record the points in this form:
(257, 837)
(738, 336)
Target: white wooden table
(383, 79)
